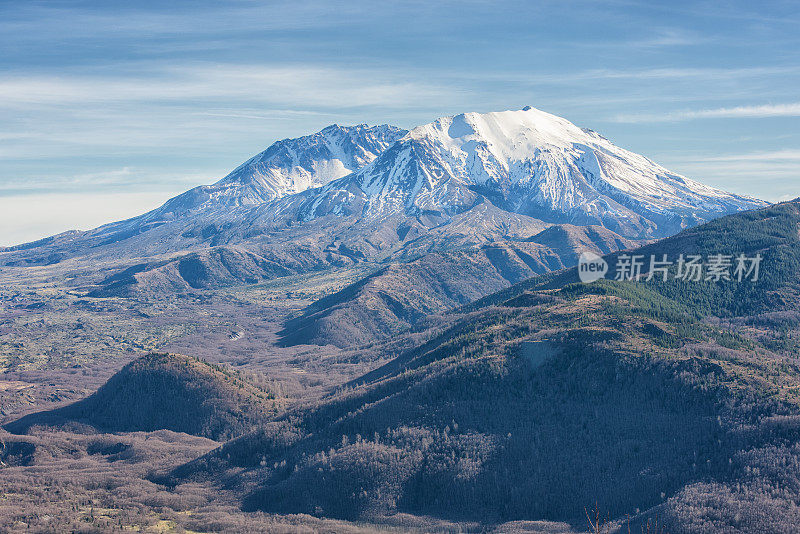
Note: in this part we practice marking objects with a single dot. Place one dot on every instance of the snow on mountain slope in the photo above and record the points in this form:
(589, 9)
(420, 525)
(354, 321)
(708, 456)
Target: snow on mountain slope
(294, 165)
(459, 181)
(533, 163)
(291, 166)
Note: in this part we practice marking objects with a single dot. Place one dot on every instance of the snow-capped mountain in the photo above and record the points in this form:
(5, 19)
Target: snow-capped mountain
(527, 162)
(351, 194)
(290, 166)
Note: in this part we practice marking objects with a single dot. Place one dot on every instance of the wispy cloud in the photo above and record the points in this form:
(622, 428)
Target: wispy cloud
(260, 114)
(108, 181)
(26, 21)
(306, 85)
(201, 108)
(581, 77)
(775, 155)
(670, 37)
(761, 111)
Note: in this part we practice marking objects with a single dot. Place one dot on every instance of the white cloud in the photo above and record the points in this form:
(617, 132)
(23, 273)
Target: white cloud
(655, 74)
(772, 156)
(303, 85)
(124, 179)
(762, 111)
(671, 37)
(31, 19)
(199, 109)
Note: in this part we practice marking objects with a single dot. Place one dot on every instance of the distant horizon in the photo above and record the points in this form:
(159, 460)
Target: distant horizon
(107, 111)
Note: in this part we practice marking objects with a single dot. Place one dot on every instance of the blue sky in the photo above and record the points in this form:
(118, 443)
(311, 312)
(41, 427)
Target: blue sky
(109, 108)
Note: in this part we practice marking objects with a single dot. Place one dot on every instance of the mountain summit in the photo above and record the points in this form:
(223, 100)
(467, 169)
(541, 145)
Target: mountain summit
(532, 163)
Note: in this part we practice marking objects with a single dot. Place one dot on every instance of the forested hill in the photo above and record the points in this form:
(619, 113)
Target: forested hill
(772, 232)
(546, 400)
(165, 391)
